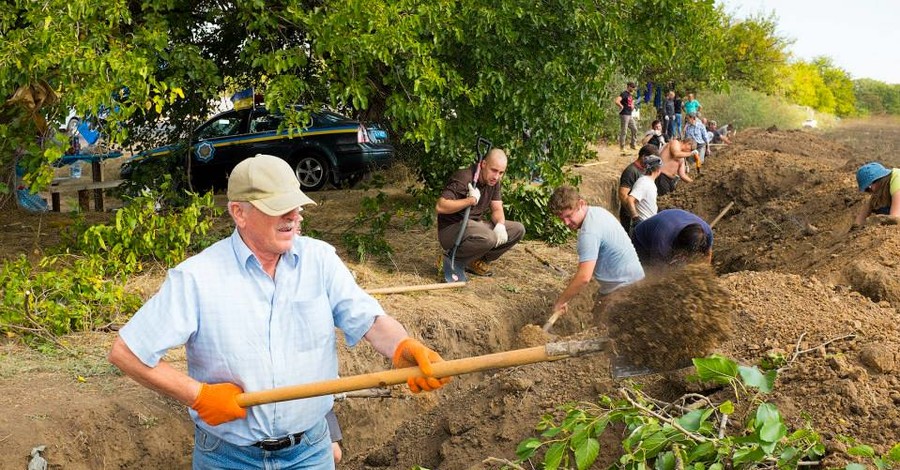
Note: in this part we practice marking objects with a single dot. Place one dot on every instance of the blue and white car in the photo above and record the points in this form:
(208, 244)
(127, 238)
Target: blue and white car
(332, 149)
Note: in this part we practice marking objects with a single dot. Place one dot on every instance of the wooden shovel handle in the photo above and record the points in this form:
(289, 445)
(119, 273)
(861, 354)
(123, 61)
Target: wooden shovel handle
(401, 289)
(550, 352)
(552, 319)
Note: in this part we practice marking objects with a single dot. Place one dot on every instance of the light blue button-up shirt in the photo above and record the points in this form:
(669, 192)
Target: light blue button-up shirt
(697, 132)
(239, 325)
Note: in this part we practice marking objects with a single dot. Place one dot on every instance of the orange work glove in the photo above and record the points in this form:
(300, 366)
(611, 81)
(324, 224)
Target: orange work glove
(217, 404)
(413, 353)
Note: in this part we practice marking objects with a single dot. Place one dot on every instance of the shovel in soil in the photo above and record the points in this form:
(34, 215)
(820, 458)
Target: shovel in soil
(457, 272)
(518, 357)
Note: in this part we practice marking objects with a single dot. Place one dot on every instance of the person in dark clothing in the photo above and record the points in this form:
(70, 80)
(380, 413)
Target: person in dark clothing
(673, 236)
(677, 122)
(625, 102)
(483, 241)
(669, 115)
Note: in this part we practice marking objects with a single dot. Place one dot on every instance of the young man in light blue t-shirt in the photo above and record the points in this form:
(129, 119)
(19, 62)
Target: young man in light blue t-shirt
(604, 250)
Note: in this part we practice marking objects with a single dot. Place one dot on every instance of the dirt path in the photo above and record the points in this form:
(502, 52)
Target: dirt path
(798, 278)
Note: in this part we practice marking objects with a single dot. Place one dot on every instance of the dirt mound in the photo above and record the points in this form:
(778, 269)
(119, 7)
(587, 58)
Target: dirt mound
(663, 323)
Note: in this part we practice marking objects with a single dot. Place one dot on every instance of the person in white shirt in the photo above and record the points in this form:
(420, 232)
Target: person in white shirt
(641, 201)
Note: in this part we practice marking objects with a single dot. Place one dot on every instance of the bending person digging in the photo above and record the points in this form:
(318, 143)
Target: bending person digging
(482, 242)
(604, 250)
(255, 311)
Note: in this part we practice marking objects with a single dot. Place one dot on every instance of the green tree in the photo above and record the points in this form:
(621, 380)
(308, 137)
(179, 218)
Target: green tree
(807, 88)
(875, 97)
(84, 52)
(839, 84)
(755, 55)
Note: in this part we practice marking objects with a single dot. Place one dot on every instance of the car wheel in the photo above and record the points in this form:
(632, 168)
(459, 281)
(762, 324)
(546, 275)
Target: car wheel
(312, 171)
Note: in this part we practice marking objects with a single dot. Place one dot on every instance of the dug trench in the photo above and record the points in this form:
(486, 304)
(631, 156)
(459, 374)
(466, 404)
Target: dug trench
(794, 277)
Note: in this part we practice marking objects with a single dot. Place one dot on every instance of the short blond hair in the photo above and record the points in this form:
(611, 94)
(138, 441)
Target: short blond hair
(564, 198)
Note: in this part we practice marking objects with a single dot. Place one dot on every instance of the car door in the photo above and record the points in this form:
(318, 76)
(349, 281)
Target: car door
(219, 144)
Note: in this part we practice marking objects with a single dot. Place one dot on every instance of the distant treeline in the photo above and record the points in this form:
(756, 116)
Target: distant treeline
(874, 97)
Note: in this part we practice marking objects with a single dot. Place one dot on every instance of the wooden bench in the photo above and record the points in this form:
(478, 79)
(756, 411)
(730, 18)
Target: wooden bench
(84, 193)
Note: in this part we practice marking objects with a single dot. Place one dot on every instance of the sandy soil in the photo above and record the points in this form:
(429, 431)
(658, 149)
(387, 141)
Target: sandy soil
(800, 284)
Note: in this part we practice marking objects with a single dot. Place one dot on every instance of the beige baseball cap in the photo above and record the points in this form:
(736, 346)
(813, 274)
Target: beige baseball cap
(268, 183)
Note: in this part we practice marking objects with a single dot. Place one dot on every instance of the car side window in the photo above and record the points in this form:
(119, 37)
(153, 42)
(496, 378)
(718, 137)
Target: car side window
(264, 123)
(221, 127)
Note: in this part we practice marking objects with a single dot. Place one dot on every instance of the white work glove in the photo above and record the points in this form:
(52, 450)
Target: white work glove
(502, 236)
(474, 192)
(695, 153)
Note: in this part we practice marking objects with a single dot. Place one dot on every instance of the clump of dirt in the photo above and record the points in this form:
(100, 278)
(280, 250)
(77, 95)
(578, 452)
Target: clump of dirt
(664, 322)
(532, 335)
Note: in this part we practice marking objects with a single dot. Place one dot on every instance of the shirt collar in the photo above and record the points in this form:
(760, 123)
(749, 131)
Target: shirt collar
(243, 254)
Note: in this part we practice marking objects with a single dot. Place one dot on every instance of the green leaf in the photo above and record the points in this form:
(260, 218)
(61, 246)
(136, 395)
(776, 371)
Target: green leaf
(772, 431)
(854, 466)
(716, 368)
(665, 461)
(752, 377)
(726, 407)
(701, 451)
(748, 454)
(692, 420)
(527, 448)
(587, 453)
(862, 451)
(894, 454)
(554, 455)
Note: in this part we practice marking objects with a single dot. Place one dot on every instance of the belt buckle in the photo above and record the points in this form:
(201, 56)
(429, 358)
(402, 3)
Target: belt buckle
(273, 443)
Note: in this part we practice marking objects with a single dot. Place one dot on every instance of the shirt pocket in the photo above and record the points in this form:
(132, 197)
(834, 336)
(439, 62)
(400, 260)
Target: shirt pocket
(312, 324)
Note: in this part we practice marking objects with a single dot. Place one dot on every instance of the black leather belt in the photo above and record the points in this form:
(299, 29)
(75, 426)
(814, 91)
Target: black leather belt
(272, 444)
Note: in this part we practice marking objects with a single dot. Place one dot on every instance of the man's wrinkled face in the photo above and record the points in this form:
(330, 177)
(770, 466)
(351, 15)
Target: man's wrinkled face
(267, 234)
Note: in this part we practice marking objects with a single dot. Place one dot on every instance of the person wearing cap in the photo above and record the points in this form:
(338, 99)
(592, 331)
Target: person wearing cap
(883, 186)
(604, 250)
(672, 237)
(625, 102)
(255, 311)
(483, 241)
(641, 200)
(629, 176)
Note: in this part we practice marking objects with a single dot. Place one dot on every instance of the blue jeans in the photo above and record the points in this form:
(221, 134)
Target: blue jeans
(676, 125)
(313, 452)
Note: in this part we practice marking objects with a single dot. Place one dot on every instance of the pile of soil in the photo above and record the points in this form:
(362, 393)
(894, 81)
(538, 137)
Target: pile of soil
(663, 322)
(802, 285)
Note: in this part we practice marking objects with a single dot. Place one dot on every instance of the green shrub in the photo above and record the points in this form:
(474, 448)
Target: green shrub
(685, 434)
(59, 295)
(745, 108)
(145, 230)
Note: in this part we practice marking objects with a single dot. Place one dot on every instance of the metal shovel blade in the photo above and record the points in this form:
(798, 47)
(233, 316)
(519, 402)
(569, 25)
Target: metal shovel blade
(621, 367)
(453, 272)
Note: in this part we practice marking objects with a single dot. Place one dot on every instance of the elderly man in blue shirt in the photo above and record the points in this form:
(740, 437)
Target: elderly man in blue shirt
(694, 129)
(257, 311)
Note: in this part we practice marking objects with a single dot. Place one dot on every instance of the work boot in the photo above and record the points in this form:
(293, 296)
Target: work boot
(480, 267)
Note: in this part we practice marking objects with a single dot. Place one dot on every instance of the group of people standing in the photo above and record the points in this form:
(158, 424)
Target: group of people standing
(670, 113)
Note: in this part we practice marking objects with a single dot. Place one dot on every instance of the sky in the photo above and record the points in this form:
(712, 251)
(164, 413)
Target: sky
(861, 36)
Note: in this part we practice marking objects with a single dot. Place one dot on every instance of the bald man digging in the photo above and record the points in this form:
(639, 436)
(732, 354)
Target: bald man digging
(483, 241)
